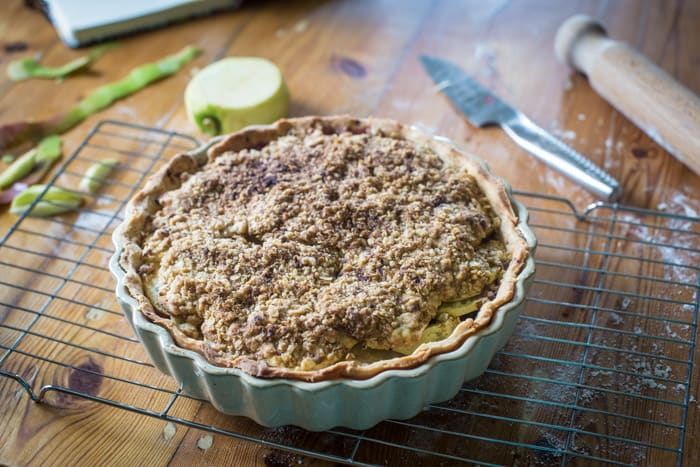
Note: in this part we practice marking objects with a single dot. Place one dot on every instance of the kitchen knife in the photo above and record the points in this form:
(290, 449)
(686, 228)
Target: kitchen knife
(483, 108)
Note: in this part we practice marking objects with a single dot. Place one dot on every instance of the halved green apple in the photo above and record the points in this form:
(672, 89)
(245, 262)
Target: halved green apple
(235, 92)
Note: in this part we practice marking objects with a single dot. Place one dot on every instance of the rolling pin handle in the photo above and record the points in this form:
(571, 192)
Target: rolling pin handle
(660, 106)
(569, 36)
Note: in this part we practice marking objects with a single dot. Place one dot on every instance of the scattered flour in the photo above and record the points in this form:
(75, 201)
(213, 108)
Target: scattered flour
(95, 313)
(205, 442)
(651, 384)
(615, 319)
(665, 243)
(301, 26)
(670, 332)
(661, 371)
(169, 431)
(561, 133)
(682, 201)
(569, 134)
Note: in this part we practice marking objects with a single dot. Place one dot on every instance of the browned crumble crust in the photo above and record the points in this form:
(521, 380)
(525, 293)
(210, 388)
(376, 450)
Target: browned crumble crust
(295, 248)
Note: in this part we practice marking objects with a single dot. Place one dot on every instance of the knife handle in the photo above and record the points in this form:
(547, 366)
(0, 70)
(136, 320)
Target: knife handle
(562, 157)
(664, 109)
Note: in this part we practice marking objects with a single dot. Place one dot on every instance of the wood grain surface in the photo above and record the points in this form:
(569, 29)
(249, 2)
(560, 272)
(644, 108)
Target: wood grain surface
(361, 58)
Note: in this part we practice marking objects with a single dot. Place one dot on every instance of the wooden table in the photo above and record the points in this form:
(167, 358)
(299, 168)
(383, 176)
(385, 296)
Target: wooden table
(359, 58)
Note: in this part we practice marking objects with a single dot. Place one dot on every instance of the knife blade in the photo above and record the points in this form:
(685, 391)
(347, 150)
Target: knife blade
(481, 107)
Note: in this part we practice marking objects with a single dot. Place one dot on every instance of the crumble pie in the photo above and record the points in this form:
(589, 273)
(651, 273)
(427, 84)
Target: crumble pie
(319, 248)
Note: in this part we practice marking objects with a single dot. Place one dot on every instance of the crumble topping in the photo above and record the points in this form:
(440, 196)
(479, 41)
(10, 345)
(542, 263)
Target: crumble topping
(317, 247)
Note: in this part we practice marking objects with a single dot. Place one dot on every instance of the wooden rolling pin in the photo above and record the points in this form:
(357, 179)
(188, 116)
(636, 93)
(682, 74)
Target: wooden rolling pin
(664, 109)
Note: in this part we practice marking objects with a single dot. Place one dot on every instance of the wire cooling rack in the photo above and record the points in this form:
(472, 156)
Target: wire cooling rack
(598, 369)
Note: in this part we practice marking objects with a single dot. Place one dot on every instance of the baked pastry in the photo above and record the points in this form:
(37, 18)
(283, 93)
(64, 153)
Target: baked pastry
(322, 248)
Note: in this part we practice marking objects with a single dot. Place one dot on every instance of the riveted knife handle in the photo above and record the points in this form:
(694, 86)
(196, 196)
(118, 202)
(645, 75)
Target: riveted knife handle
(562, 157)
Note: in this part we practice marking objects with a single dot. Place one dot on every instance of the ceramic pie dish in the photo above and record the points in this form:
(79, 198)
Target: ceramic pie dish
(288, 336)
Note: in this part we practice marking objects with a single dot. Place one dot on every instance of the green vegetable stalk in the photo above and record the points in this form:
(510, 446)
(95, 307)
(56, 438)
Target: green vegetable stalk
(37, 159)
(54, 201)
(96, 174)
(12, 134)
(27, 68)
